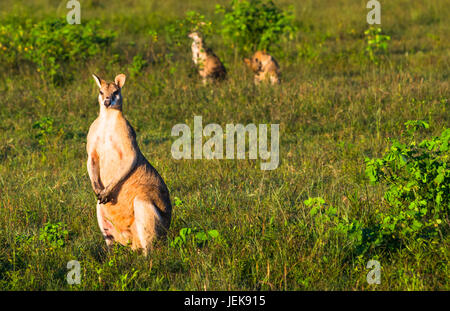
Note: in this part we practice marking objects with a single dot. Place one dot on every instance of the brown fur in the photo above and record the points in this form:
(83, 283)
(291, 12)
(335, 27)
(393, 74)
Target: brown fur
(209, 65)
(265, 67)
(126, 184)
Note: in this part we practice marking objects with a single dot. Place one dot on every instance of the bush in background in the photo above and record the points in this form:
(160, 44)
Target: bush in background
(251, 25)
(417, 176)
(178, 30)
(51, 43)
(377, 43)
(14, 40)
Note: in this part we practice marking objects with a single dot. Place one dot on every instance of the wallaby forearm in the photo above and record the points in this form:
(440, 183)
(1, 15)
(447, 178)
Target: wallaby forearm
(94, 174)
(122, 172)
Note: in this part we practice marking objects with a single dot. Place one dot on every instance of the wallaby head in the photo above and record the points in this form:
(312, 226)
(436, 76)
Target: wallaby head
(195, 36)
(110, 96)
(255, 63)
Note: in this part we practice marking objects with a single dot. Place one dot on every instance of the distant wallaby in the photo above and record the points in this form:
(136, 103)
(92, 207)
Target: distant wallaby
(265, 67)
(133, 206)
(209, 65)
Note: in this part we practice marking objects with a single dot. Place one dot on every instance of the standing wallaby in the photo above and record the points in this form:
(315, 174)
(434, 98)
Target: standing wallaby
(209, 65)
(133, 206)
(265, 67)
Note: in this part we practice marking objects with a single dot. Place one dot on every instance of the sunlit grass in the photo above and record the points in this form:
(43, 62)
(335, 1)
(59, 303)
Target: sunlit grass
(334, 108)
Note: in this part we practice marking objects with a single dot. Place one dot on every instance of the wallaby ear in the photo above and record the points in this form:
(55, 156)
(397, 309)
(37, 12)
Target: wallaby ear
(119, 80)
(98, 80)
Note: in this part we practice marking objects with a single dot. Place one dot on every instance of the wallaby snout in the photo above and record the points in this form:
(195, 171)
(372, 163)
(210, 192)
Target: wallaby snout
(107, 102)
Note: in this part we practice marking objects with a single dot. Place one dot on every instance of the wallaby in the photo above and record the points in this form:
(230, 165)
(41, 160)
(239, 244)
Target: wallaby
(209, 65)
(133, 206)
(265, 67)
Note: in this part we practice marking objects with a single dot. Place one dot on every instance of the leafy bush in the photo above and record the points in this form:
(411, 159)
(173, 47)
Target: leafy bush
(195, 21)
(153, 35)
(328, 222)
(178, 30)
(23, 241)
(417, 176)
(48, 135)
(255, 24)
(418, 179)
(124, 281)
(54, 234)
(137, 65)
(51, 43)
(377, 43)
(177, 202)
(194, 236)
(44, 128)
(14, 37)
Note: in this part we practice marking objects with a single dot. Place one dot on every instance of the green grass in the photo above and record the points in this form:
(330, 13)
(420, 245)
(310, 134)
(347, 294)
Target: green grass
(334, 108)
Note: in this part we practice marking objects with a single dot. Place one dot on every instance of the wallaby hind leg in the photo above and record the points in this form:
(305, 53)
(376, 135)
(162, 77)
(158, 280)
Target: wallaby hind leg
(148, 223)
(105, 227)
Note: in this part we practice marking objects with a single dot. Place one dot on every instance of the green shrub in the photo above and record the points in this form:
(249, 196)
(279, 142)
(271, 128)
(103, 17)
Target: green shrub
(48, 136)
(137, 65)
(328, 222)
(193, 236)
(14, 40)
(377, 43)
(177, 202)
(417, 198)
(23, 241)
(195, 21)
(52, 43)
(44, 128)
(417, 176)
(56, 42)
(251, 25)
(177, 31)
(54, 235)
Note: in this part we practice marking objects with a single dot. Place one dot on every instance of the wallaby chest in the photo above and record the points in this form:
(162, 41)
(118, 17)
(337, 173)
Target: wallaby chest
(195, 52)
(198, 54)
(112, 143)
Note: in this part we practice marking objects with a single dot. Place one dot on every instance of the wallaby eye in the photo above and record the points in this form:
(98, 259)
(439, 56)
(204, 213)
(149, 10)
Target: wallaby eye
(256, 60)
(101, 93)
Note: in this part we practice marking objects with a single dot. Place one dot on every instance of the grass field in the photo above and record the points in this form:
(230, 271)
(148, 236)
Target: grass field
(335, 108)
